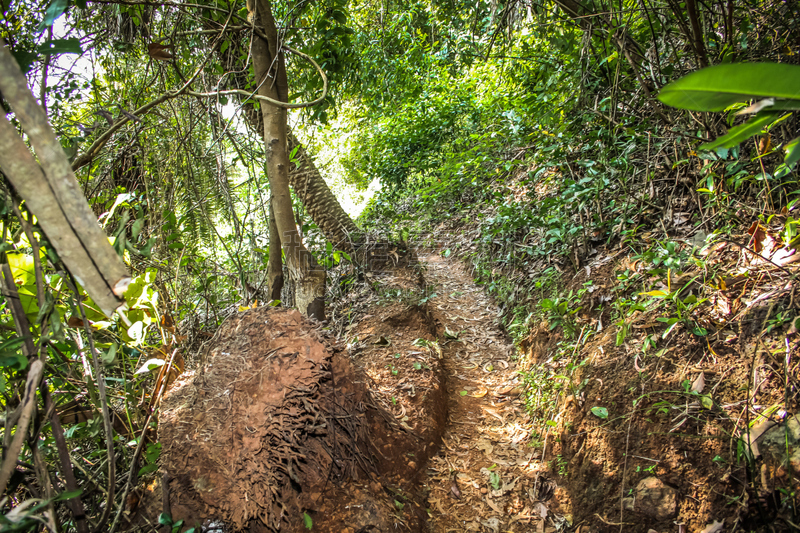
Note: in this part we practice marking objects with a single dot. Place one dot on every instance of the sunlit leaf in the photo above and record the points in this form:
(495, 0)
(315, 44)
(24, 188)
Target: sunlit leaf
(54, 10)
(707, 402)
(715, 88)
(150, 365)
(742, 132)
(655, 294)
(600, 412)
(792, 152)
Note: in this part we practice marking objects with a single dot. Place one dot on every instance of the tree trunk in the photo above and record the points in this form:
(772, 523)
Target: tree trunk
(320, 203)
(275, 265)
(270, 75)
(310, 187)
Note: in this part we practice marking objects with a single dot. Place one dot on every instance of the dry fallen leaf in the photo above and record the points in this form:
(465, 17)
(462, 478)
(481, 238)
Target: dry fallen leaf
(713, 528)
(159, 51)
(699, 383)
(454, 491)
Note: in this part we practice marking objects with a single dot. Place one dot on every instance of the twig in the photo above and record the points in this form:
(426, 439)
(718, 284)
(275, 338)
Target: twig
(789, 272)
(101, 389)
(140, 446)
(613, 523)
(277, 103)
(28, 403)
(75, 504)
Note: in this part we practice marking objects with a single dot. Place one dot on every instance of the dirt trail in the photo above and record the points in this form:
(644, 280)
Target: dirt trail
(486, 476)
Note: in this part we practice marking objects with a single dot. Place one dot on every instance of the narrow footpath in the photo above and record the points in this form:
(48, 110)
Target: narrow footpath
(487, 475)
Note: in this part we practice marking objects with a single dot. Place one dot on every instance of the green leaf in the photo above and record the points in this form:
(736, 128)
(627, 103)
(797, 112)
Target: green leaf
(68, 495)
(54, 10)
(61, 46)
(110, 356)
(149, 365)
(792, 152)
(24, 58)
(146, 469)
(707, 402)
(164, 519)
(600, 412)
(147, 250)
(715, 88)
(307, 520)
(16, 360)
(136, 227)
(12, 344)
(742, 132)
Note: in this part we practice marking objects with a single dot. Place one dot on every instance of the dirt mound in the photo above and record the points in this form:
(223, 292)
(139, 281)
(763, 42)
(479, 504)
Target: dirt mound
(397, 347)
(264, 432)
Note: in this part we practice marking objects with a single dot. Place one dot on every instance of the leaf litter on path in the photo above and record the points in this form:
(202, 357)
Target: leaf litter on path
(486, 441)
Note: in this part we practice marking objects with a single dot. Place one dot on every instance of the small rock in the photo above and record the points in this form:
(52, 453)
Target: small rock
(412, 465)
(654, 499)
(773, 443)
(484, 490)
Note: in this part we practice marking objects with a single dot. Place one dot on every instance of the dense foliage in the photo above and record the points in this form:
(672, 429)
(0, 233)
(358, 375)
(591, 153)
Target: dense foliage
(535, 124)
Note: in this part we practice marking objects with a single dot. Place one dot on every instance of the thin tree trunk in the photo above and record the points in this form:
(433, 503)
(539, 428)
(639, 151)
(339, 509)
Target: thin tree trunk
(304, 177)
(275, 265)
(697, 33)
(270, 73)
(320, 202)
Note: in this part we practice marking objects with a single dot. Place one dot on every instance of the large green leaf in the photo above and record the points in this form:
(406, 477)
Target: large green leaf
(792, 152)
(715, 88)
(742, 132)
(61, 46)
(54, 10)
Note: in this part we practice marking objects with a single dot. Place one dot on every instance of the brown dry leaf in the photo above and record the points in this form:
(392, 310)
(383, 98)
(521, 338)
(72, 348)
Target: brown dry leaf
(159, 51)
(479, 393)
(454, 490)
(168, 323)
(758, 234)
(699, 383)
(74, 322)
(713, 528)
(494, 506)
(764, 144)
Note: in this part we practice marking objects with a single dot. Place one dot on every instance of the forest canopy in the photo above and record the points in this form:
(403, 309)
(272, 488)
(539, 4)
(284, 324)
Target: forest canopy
(210, 139)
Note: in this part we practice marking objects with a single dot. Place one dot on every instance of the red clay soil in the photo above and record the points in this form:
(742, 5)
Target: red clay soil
(273, 430)
(420, 420)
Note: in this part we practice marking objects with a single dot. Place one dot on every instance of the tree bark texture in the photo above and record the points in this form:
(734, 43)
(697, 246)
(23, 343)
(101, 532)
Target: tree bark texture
(275, 265)
(270, 73)
(320, 202)
(53, 194)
